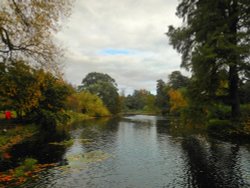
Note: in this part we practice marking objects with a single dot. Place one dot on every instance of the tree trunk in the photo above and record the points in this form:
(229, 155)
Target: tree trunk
(233, 61)
(233, 92)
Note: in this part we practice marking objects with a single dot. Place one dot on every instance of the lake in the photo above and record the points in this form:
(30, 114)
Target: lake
(135, 151)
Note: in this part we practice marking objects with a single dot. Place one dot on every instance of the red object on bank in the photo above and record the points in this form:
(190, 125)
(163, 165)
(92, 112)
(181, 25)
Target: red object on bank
(7, 115)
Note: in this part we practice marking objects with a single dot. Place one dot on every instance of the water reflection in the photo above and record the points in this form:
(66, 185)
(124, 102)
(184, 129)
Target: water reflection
(37, 147)
(143, 151)
(213, 163)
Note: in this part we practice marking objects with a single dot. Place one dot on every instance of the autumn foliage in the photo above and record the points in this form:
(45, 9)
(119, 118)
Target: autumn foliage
(27, 170)
(177, 100)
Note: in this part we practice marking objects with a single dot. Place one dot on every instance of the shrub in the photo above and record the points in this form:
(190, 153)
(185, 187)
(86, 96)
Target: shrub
(219, 111)
(87, 103)
(245, 110)
(26, 166)
(218, 125)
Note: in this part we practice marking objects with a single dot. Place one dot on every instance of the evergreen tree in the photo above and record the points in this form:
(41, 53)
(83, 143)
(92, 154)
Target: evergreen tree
(177, 80)
(162, 99)
(213, 39)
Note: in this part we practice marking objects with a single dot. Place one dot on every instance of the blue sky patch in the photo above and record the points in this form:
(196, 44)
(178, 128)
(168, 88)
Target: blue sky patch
(112, 51)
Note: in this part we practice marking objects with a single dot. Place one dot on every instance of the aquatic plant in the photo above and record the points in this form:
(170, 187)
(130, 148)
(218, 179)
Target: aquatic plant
(66, 143)
(88, 157)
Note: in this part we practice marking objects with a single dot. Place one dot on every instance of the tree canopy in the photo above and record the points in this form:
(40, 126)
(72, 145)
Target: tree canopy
(87, 103)
(162, 99)
(104, 87)
(177, 80)
(214, 39)
(26, 30)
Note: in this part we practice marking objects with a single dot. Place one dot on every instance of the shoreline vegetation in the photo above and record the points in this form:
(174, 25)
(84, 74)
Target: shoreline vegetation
(12, 133)
(216, 92)
(214, 98)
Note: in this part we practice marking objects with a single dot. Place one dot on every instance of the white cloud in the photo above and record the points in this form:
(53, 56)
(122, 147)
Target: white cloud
(134, 25)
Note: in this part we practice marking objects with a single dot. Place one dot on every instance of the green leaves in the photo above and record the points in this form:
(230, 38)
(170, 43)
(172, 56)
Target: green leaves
(214, 42)
(104, 87)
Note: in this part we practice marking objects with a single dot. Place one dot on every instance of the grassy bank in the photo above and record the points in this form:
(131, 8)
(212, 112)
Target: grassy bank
(14, 135)
(138, 112)
(220, 125)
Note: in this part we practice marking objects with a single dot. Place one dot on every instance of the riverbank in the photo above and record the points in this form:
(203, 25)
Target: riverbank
(15, 133)
(12, 133)
(128, 113)
(231, 131)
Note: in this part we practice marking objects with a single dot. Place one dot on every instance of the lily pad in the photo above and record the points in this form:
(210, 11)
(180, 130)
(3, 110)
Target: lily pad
(65, 143)
(89, 157)
(95, 156)
(87, 141)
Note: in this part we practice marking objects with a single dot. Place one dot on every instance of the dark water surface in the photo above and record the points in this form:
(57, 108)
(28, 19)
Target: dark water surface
(138, 151)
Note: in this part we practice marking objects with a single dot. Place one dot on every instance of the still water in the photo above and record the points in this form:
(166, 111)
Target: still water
(138, 152)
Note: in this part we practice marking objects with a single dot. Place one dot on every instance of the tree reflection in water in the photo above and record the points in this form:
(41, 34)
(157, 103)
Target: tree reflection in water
(212, 163)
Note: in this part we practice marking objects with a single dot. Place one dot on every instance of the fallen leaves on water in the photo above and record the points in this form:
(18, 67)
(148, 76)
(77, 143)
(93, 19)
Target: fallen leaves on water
(11, 178)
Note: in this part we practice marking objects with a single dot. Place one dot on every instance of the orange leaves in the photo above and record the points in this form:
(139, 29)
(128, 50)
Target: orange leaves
(11, 178)
(6, 155)
(5, 178)
(177, 100)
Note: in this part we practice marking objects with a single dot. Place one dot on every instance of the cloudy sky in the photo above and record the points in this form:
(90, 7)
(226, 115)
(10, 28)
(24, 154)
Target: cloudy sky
(123, 38)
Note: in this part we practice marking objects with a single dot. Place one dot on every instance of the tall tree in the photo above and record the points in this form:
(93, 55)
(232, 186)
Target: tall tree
(27, 28)
(215, 37)
(104, 87)
(177, 80)
(162, 99)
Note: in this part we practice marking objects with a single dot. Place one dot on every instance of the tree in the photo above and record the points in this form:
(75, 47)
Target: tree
(162, 99)
(87, 103)
(50, 110)
(177, 80)
(214, 38)
(177, 100)
(26, 30)
(150, 104)
(141, 100)
(32, 93)
(20, 88)
(104, 87)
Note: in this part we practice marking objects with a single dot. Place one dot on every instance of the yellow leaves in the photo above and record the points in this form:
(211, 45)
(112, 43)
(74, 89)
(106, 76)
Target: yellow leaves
(177, 100)
(87, 103)
(30, 26)
(223, 87)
